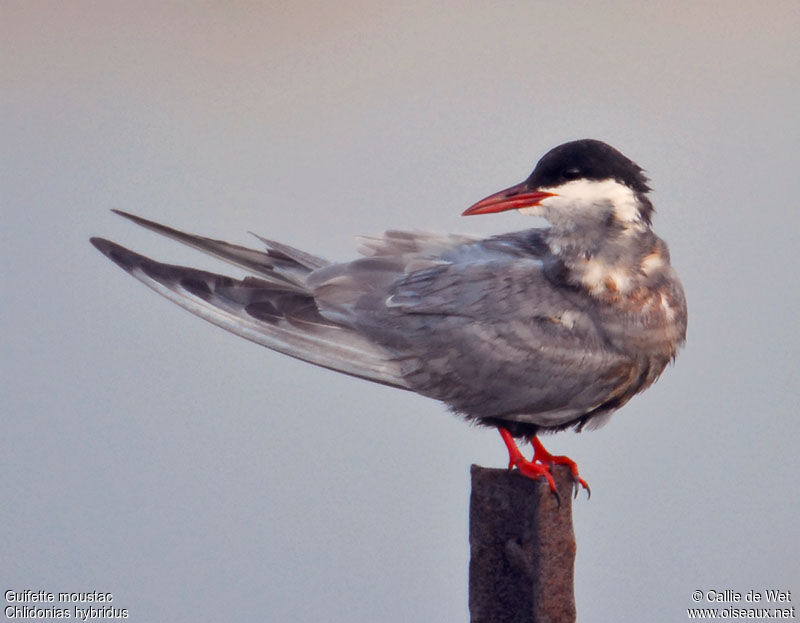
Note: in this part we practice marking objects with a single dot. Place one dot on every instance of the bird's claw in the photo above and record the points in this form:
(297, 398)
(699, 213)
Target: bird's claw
(541, 465)
(577, 483)
(541, 455)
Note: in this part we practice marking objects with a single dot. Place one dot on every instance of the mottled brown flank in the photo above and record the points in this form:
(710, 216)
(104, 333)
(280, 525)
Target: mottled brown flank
(673, 301)
(610, 292)
(624, 372)
(655, 257)
(610, 284)
(647, 304)
(640, 295)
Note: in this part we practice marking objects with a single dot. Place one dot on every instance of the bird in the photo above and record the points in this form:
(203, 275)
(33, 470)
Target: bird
(528, 332)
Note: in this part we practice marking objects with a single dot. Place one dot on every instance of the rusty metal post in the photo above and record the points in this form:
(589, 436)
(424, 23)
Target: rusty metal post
(522, 548)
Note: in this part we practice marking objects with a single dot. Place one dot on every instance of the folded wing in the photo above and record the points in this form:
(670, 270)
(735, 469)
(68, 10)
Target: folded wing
(274, 308)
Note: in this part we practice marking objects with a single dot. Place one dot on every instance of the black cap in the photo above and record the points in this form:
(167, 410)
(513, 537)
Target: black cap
(586, 159)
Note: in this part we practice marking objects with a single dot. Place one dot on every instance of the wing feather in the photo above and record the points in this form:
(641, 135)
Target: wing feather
(485, 321)
(280, 263)
(256, 309)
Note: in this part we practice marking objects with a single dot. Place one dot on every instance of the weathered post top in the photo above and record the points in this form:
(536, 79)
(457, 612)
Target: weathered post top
(522, 548)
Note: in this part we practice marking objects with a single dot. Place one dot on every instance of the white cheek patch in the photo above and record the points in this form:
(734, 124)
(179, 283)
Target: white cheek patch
(626, 208)
(592, 192)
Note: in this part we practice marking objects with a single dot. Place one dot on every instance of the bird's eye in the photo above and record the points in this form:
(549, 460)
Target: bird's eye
(571, 174)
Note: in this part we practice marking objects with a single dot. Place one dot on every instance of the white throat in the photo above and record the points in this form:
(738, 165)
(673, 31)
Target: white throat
(581, 198)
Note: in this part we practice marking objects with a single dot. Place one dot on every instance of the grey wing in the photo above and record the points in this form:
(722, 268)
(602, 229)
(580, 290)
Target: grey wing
(483, 329)
(280, 262)
(274, 309)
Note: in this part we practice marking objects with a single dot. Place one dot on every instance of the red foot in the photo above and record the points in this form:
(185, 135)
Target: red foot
(525, 467)
(541, 463)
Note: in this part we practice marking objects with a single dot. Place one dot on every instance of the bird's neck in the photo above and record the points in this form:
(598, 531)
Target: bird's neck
(609, 261)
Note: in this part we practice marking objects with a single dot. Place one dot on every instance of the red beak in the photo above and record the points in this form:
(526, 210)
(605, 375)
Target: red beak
(509, 199)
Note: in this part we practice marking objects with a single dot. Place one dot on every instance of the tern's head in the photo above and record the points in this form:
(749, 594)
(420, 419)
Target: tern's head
(581, 181)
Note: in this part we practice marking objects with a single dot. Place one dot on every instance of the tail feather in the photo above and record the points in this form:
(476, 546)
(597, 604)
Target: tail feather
(280, 251)
(280, 263)
(272, 310)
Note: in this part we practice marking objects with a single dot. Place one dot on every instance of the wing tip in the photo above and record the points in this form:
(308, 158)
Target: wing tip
(104, 246)
(121, 256)
(146, 223)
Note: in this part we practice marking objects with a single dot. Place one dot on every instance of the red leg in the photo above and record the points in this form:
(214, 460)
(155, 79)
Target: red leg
(540, 465)
(525, 467)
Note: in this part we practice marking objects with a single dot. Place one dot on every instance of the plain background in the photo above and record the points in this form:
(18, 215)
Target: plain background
(196, 475)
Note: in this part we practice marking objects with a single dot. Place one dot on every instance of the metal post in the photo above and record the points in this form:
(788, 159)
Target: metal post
(522, 548)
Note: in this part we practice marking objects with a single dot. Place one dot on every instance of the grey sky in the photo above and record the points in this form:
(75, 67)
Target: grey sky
(192, 473)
